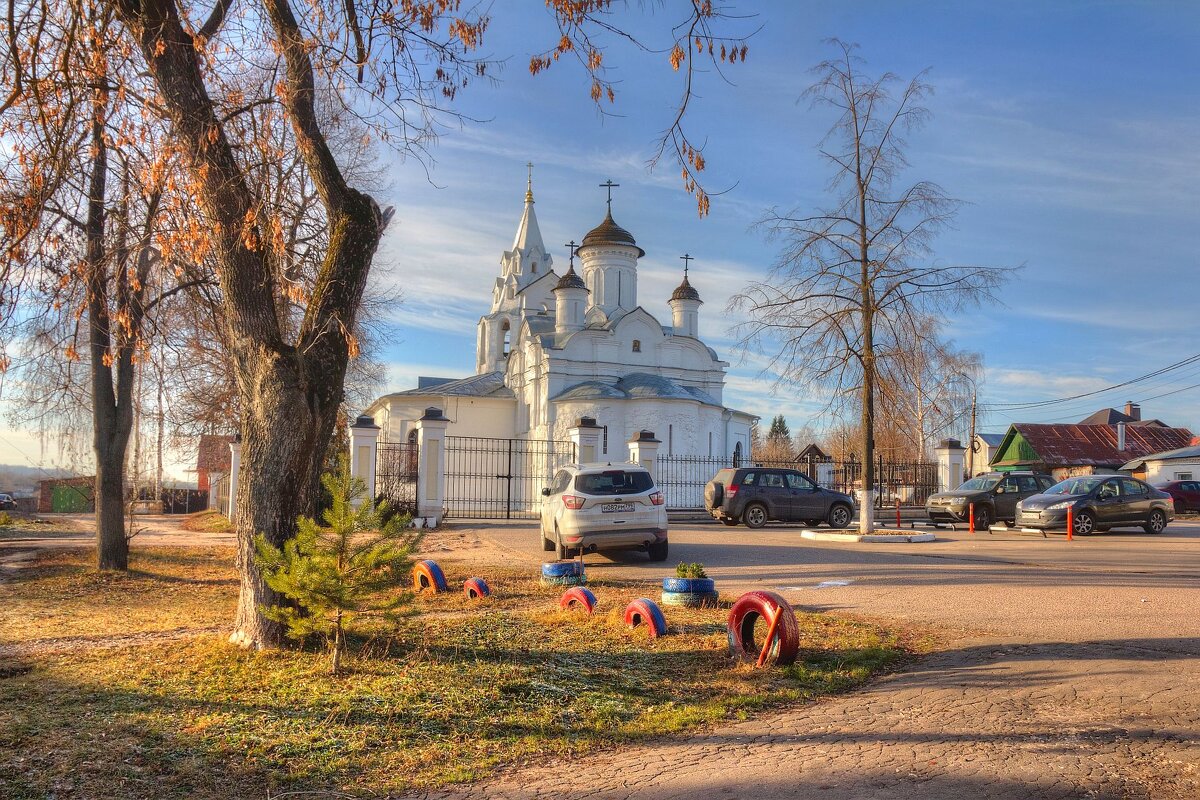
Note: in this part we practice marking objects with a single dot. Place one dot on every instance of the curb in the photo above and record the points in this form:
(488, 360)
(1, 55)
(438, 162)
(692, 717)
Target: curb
(825, 536)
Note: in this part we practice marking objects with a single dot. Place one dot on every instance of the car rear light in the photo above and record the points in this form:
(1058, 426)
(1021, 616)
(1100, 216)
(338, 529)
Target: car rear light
(657, 498)
(731, 489)
(573, 502)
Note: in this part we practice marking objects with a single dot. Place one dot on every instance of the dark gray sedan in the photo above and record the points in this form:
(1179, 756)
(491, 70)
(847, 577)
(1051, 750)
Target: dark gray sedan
(1097, 503)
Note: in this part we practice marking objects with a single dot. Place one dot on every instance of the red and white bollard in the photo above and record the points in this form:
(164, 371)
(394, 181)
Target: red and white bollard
(971, 518)
(1070, 524)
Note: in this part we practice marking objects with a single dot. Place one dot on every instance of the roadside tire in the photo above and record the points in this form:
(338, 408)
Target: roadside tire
(730, 523)
(691, 599)
(560, 569)
(645, 611)
(1083, 523)
(428, 575)
(476, 589)
(746, 611)
(983, 518)
(578, 596)
(658, 551)
(755, 515)
(689, 585)
(1156, 523)
(839, 516)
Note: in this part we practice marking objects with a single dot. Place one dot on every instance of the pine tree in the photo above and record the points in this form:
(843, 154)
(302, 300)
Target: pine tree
(352, 566)
(779, 429)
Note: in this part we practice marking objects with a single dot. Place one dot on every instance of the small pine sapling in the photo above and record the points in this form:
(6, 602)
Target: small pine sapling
(354, 565)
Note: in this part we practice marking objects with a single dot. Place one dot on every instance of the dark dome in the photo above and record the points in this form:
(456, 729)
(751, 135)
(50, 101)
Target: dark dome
(685, 291)
(570, 280)
(609, 232)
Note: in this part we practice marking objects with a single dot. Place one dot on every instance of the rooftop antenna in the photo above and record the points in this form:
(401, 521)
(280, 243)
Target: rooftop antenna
(609, 185)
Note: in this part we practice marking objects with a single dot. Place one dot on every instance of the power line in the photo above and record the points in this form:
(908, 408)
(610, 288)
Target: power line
(1044, 403)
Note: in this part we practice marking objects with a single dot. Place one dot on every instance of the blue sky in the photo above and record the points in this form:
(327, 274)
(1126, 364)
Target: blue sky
(1070, 130)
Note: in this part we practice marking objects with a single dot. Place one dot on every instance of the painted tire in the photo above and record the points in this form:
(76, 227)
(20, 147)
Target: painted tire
(578, 597)
(645, 611)
(691, 599)
(476, 588)
(689, 585)
(566, 580)
(560, 569)
(785, 643)
(428, 575)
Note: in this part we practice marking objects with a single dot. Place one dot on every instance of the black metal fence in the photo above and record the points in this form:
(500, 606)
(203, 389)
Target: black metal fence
(682, 478)
(396, 475)
(500, 478)
(184, 501)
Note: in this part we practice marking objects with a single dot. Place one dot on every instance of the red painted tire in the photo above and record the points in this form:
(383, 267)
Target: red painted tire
(645, 611)
(578, 596)
(785, 641)
(428, 575)
(476, 588)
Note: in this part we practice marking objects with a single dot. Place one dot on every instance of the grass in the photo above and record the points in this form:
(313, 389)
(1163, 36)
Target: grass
(20, 525)
(446, 696)
(207, 522)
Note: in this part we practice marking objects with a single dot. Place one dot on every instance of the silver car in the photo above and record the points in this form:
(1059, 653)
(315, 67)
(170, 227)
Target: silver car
(591, 507)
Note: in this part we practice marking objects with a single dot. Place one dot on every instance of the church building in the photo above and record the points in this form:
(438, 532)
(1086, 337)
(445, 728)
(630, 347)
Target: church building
(554, 348)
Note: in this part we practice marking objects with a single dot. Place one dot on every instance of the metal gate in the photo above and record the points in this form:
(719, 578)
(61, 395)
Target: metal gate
(396, 475)
(500, 478)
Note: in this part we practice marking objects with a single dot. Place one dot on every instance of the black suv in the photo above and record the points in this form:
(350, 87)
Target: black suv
(994, 495)
(754, 495)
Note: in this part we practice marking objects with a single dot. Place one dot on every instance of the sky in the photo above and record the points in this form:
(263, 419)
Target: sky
(1069, 130)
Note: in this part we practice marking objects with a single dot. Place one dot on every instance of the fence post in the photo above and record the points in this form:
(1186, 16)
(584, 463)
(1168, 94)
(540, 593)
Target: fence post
(585, 435)
(643, 449)
(950, 464)
(364, 449)
(431, 469)
(235, 463)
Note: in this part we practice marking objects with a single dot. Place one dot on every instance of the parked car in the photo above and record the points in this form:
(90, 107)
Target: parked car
(1097, 503)
(1185, 494)
(994, 495)
(754, 495)
(7, 503)
(593, 507)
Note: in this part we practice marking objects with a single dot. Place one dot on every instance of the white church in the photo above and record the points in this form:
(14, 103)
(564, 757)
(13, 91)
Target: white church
(557, 348)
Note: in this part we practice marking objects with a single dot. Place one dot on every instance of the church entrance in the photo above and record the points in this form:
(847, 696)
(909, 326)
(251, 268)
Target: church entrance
(396, 475)
(500, 478)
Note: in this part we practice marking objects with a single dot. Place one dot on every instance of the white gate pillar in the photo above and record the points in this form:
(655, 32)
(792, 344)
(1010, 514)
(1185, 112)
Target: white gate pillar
(643, 449)
(950, 454)
(431, 471)
(235, 463)
(364, 443)
(585, 434)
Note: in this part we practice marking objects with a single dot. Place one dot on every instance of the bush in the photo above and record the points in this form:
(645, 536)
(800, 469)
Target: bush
(5, 518)
(693, 570)
(352, 566)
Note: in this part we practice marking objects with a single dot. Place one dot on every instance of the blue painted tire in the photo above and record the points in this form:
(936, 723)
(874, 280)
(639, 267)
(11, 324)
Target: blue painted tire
(428, 575)
(691, 599)
(645, 611)
(476, 589)
(565, 580)
(560, 569)
(578, 596)
(689, 585)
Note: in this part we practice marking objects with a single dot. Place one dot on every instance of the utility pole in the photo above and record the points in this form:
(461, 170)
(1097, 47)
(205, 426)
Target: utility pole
(971, 442)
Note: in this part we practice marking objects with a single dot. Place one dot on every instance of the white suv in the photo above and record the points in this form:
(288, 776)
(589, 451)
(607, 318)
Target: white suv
(592, 507)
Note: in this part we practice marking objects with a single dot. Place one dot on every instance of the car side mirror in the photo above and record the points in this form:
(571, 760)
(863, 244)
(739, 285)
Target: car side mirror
(546, 492)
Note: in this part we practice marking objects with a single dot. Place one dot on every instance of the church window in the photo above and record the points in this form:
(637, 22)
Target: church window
(533, 267)
(737, 454)
(506, 334)
(637, 345)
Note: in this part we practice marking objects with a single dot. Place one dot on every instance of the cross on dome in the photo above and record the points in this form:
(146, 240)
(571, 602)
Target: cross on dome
(609, 185)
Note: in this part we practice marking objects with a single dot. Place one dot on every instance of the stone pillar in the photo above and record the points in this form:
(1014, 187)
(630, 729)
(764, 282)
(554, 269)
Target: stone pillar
(950, 461)
(364, 440)
(235, 462)
(586, 435)
(643, 449)
(431, 469)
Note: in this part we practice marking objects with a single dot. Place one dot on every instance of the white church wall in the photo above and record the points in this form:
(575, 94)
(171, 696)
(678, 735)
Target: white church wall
(490, 417)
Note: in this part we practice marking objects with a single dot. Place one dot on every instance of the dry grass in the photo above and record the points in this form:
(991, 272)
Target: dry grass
(21, 525)
(207, 522)
(446, 696)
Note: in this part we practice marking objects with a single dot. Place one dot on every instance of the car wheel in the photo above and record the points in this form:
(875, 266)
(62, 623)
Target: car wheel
(983, 518)
(1156, 523)
(839, 516)
(547, 542)
(755, 515)
(1084, 523)
(561, 552)
(728, 521)
(658, 551)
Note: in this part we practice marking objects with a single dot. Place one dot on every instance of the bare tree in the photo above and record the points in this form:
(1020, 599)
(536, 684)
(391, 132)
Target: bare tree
(854, 276)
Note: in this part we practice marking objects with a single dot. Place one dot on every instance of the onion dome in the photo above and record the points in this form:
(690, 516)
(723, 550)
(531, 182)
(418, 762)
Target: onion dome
(570, 280)
(609, 232)
(685, 291)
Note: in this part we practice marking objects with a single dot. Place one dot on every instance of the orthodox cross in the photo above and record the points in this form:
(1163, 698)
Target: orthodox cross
(609, 185)
(529, 182)
(572, 247)
(686, 258)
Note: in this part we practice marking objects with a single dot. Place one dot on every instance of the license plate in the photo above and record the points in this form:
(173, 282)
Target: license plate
(616, 508)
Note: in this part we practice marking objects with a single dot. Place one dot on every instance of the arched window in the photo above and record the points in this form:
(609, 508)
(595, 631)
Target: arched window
(637, 345)
(737, 455)
(506, 339)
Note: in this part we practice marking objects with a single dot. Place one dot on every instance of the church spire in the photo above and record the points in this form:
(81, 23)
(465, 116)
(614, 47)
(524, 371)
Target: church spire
(529, 183)
(529, 235)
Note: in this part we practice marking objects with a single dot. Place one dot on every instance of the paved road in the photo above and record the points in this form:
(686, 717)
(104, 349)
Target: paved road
(1070, 670)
